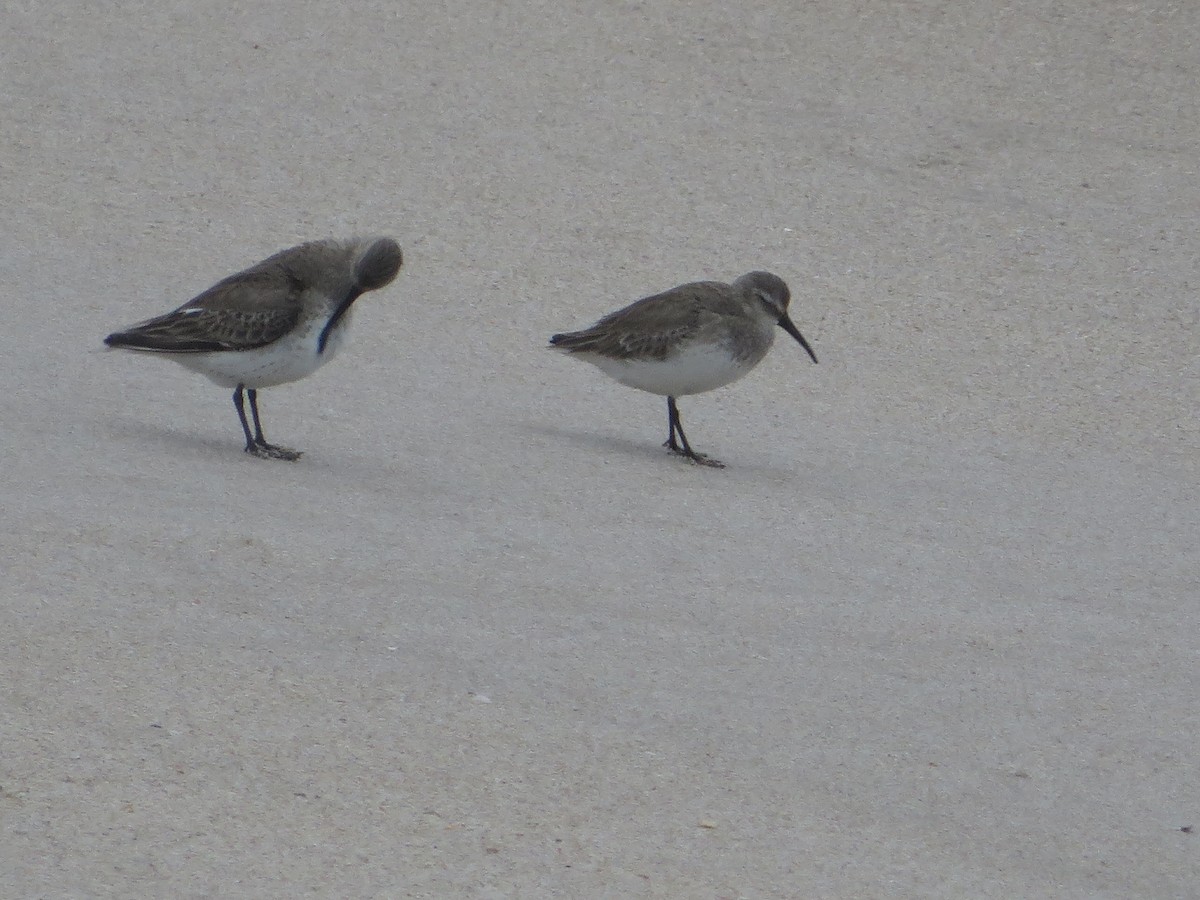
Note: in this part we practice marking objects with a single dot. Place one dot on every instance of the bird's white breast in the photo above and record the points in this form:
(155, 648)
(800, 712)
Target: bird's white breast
(290, 358)
(693, 369)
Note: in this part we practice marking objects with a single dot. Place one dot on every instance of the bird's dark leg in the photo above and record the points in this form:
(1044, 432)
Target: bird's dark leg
(258, 434)
(676, 426)
(239, 405)
(672, 418)
(258, 445)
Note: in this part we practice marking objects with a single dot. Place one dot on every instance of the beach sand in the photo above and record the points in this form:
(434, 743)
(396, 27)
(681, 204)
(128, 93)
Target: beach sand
(934, 631)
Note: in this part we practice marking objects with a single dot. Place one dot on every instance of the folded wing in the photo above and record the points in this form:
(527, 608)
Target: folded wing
(245, 311)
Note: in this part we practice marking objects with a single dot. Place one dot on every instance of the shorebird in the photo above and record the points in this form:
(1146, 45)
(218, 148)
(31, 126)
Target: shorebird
(690, 339)
(272, 323)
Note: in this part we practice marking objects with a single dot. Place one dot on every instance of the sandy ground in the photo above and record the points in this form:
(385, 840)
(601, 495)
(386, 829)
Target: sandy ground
(933, 633)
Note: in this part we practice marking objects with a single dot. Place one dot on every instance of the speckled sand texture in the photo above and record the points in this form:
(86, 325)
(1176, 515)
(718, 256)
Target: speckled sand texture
(935, 632)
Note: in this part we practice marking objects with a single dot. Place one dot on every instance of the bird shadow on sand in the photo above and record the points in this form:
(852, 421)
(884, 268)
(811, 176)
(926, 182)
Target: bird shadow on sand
(599, 443)
(178, 440)
(183, 444)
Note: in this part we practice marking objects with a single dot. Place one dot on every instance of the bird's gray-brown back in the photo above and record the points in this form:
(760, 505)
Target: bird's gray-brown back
(654, 327)
(259, 305)
(247, 310)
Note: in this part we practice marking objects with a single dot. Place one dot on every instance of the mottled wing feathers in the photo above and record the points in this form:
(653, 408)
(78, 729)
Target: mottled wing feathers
(649, 328)
(244, 311)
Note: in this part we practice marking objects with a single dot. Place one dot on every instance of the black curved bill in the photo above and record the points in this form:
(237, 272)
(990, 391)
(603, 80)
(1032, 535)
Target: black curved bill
(786, 324)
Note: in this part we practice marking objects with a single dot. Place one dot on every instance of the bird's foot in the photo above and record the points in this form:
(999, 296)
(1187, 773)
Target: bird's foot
(699, 459)
(263, 450)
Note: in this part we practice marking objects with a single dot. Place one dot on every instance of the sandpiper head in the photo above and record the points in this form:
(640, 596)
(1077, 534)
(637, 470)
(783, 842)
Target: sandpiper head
(770, 289)
(378, 264)
(773, 293)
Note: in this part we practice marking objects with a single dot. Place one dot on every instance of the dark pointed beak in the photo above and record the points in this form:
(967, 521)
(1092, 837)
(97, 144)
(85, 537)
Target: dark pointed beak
(786, 324)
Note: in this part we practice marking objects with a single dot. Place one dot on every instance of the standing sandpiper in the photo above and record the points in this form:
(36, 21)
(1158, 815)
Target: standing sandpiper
(690, 339)
(273, 323)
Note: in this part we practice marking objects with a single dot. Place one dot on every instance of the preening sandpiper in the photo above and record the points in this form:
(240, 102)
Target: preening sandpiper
(272, 323)
(690, 339)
